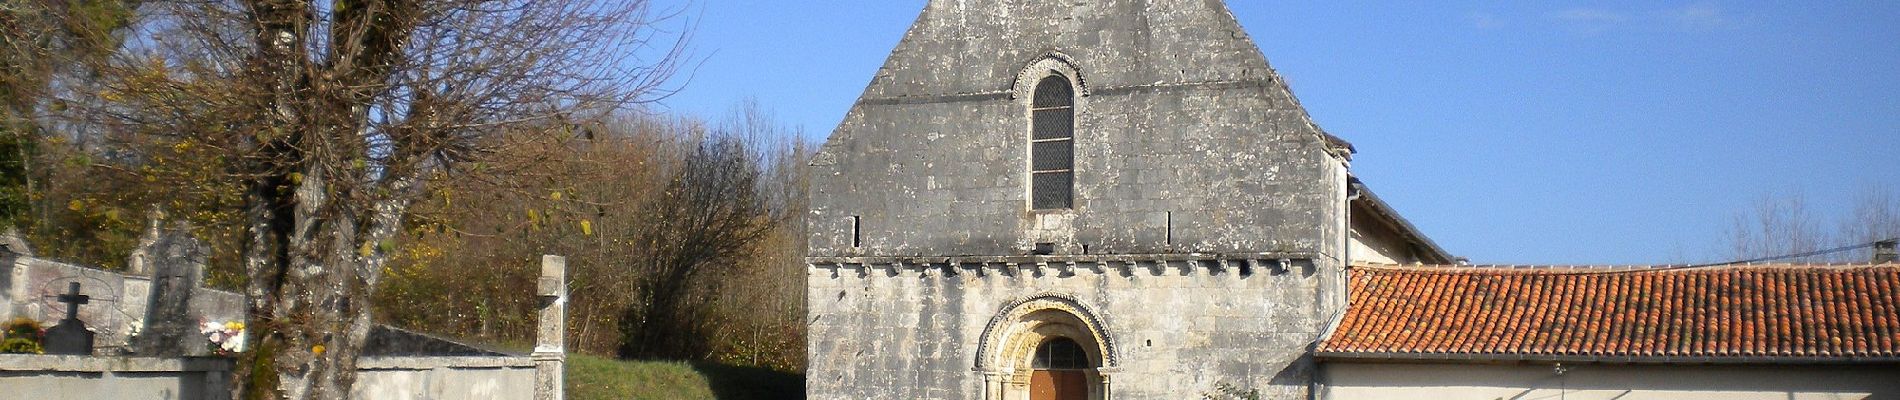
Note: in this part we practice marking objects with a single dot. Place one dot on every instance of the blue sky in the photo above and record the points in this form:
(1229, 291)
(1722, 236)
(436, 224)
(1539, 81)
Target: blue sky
(1624, 132)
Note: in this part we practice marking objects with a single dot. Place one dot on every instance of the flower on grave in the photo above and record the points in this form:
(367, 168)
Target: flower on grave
(225, 338)
(22, 336)
(132, 330)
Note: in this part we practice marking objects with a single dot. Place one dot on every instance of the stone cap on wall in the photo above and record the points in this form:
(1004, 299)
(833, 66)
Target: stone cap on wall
(428, 363)
(389, 341)
(35, 362)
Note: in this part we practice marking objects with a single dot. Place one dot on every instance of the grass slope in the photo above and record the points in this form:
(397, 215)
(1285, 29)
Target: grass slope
(599, 378)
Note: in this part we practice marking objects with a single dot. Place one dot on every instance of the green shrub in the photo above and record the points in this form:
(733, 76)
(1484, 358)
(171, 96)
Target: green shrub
(20, 346)
(600, 378)
(22, 336)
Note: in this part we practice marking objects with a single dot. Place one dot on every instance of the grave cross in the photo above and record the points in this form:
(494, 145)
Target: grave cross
(73, 299)
(70, 337)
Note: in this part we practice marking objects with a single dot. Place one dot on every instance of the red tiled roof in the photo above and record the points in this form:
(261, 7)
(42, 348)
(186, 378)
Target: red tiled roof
(1761, 312)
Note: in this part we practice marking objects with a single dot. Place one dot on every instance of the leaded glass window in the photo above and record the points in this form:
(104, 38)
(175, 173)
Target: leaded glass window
(1052, 145)
(1060, 353)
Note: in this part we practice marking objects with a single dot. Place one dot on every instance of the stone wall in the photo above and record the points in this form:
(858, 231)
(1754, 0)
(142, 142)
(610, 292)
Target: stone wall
(428, 378)
(397, 364)
(1185, 139)
(392, 378)
(1203, 246)
(1374, 243)
(81, 377)
(1174, 327)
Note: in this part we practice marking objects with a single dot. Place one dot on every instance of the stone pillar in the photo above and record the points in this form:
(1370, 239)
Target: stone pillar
(550, 348)
(177, 261)
(992, 384)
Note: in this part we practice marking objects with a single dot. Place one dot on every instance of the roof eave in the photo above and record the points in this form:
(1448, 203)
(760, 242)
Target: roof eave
(1390, 216)
(1336, 146)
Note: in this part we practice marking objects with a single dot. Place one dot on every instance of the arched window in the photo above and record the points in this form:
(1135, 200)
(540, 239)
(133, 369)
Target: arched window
(1060, 353)
(1052, 145)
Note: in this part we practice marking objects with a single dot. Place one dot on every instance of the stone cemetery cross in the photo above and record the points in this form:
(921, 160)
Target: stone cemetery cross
(70, 337)
(73, 299)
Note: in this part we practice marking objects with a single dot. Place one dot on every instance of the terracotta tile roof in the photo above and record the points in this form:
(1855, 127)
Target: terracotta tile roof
(1767, 312)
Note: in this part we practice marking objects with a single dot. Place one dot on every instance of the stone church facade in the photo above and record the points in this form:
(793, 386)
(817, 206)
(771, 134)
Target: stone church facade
(1122, 199)
(1130, 176)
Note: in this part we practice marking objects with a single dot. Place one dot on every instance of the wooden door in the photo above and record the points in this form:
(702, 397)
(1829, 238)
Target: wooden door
(1058, 385)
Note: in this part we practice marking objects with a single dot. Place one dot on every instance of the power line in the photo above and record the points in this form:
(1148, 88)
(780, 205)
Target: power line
(1609, 271)
(1748, 261)
(1800, 255)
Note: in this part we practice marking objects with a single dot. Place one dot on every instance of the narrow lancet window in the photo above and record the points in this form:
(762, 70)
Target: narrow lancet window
(1052, 145)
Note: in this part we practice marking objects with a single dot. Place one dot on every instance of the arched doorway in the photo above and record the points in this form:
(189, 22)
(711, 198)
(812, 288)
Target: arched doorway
(1061, 371)
(1045, 348)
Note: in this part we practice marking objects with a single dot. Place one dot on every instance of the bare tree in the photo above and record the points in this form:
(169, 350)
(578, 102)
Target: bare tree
(1785, 226)
(710, 215)
(604, 202)
(1876, 216)
(1777, 226)
(334, 116)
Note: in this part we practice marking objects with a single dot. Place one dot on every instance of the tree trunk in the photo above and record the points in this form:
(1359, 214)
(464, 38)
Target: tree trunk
(319, 224)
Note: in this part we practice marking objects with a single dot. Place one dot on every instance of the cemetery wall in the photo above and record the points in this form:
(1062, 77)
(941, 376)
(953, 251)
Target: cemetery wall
(419, 378)
(117, 303)
(83, 377)
(157, 308)
(394, 378)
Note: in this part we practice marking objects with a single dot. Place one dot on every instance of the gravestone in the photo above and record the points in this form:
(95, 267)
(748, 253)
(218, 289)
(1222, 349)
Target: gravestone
(70, 337)
(171, 327)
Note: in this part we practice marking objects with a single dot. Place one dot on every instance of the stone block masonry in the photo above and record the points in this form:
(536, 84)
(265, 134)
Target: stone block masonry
(1185, 139)
(1203, 244)
(1171, 326)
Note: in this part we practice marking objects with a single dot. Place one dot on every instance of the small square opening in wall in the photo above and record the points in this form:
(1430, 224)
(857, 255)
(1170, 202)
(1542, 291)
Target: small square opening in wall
(1043, 249)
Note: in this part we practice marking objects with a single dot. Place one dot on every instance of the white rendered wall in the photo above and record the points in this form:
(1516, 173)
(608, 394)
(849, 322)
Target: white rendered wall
(1592, 382)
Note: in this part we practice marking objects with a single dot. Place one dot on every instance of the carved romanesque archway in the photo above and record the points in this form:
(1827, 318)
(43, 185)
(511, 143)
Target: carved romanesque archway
(1051, 63)
(1007, 352)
